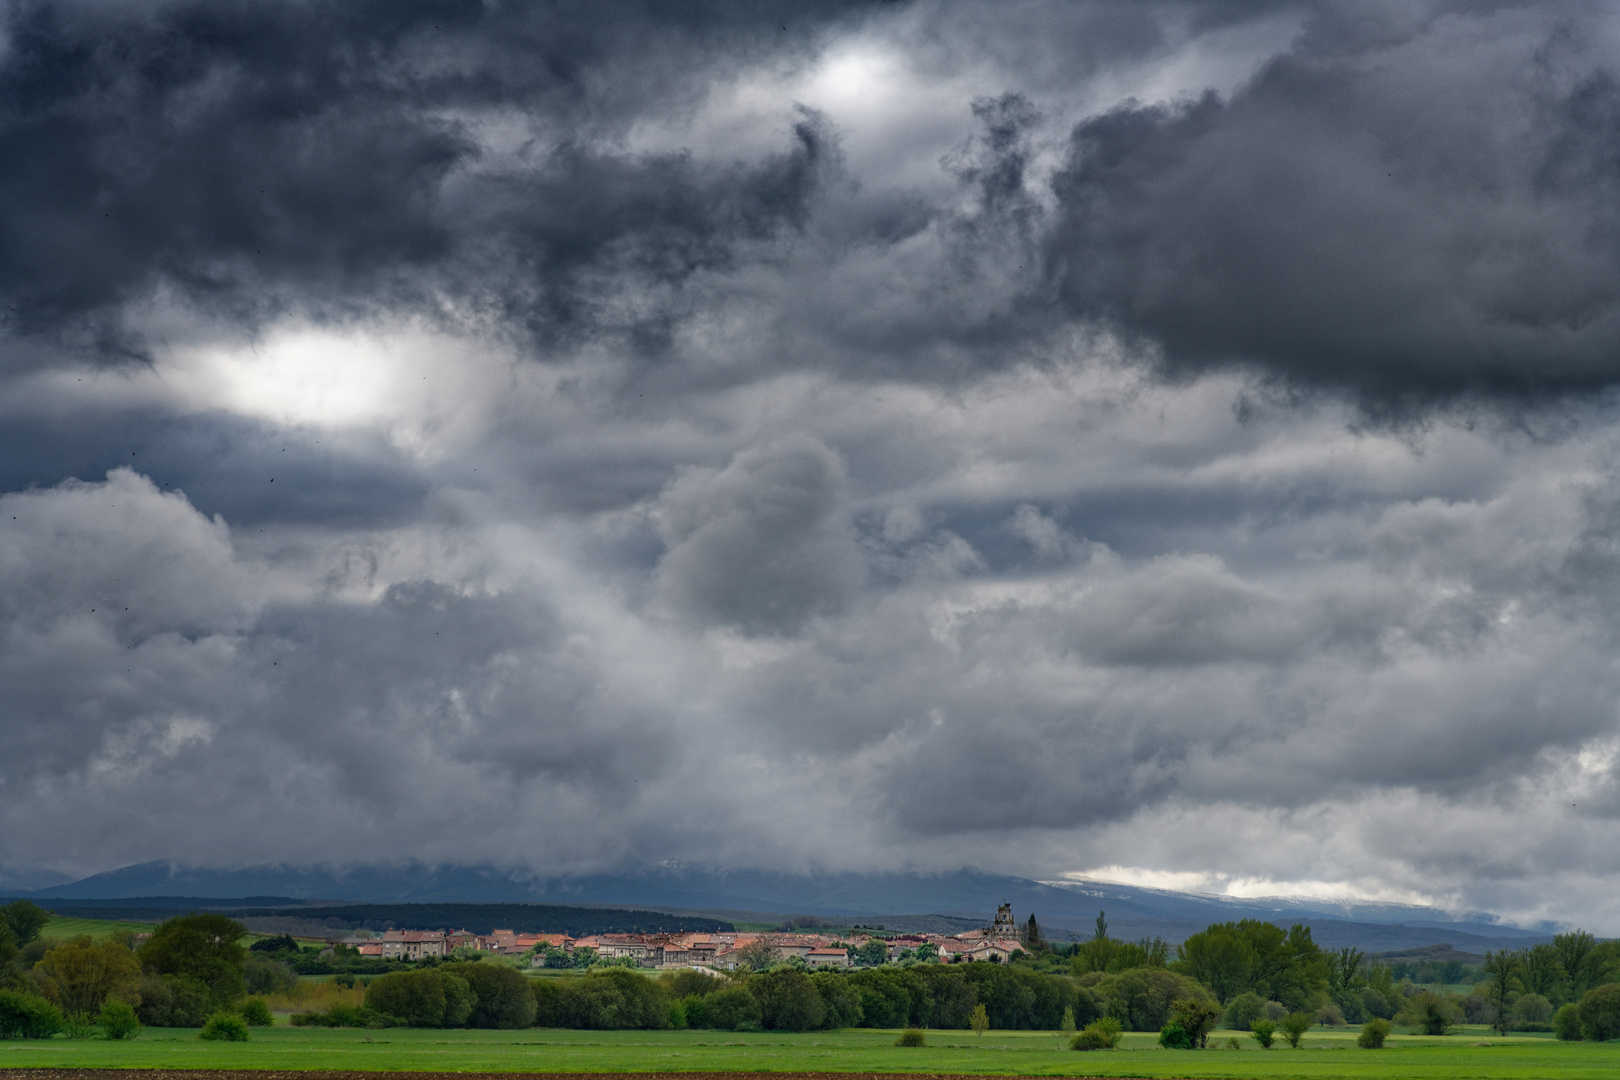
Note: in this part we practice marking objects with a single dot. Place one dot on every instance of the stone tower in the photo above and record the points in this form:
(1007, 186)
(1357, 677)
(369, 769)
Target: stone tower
(1004, 926)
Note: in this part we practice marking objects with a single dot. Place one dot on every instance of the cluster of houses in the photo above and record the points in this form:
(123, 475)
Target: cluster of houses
(721, 951)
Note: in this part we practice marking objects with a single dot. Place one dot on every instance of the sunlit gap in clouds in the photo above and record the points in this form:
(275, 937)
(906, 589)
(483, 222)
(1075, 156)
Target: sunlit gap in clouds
(1242, 887)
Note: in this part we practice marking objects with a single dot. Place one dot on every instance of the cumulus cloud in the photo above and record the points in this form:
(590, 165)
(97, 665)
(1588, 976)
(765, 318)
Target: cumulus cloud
(761, 544)
(827, 435)
(1414, 207)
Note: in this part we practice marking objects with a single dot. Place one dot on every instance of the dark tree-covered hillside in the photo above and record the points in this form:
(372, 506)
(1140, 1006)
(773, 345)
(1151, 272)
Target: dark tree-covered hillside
(482, 918)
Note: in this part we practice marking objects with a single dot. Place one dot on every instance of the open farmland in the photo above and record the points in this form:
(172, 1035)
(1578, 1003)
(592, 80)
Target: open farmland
(64, 927)
(1324, 1054)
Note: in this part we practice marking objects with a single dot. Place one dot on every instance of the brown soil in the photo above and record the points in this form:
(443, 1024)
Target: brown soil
(334, 1074)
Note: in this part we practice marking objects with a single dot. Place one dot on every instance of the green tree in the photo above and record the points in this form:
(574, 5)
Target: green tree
(872, 954)
(733, 1009)
(1197, 1017)
(1243, 1010)
(1263, 1031)
(205, 948)
(1600, 1013)
(1220, 958)
(788, 1000)
(1032, 935)
(261, 975)
(459, 999)
(1502, 969)
(502, 996)
(1543, 972)
(1344, 970)
(415, 997)
(80, 976)
(841, 1004)
(1583, 961)
(1096, 954)
(980, 1020)
(26, 919)
(760, 954)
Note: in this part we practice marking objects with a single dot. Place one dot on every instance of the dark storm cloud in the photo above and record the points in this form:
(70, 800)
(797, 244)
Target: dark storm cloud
(582, 435)
(262, 156)
(1411, 202)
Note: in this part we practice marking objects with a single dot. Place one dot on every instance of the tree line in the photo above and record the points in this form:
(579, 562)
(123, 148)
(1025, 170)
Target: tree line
(1249, 975)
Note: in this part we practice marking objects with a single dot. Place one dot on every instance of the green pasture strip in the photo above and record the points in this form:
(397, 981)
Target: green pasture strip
(1322, 1056)
(62, 926)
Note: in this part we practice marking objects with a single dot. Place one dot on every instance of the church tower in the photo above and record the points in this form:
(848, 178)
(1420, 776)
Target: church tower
(1004, 926)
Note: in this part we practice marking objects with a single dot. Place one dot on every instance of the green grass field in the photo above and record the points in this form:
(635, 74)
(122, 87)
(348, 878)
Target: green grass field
(1323, 1055)
(63, 927)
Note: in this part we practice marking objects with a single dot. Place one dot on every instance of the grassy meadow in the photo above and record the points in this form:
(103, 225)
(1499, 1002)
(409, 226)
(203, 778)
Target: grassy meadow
(65, 928)
(1323, 1055)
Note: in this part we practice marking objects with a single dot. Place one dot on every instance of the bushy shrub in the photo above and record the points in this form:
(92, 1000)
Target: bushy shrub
(255, 1012)
(1375, 1003)
(1373, 1034)
(841, 1004)
(732, 1009)
(1244, 1010)
(1142, 999)
(1600, 1013)
(1532, 1012)
(281, 943)
(1430, 1013)
(502, 995)
(80, 975)
(118, 1020)
(788, 1000)
(350, 1016)
(1174, 1037)
(262, 975)
(690, 982)
(1102, 1034)
(1197, 1017)
(1567, 1023)
(1295, 1025)
(28, 1016)
(1263, 1031)
(911, 1037)
(1274, 1011)
(613, 998)
(415, 997)
(1331, 1015)
(224, 1027)
(172, 1001)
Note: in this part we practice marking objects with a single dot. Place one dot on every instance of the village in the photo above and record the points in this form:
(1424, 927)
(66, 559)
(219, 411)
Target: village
(718, 951)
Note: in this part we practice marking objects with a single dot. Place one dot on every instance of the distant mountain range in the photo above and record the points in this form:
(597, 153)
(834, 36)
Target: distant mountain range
(28, 878)
(1064, 908)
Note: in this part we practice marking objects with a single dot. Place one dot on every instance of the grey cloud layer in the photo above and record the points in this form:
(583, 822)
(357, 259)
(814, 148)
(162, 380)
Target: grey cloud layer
(741, 435)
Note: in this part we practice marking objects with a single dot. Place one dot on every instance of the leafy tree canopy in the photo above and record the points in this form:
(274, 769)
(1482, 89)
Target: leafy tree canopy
(206, 948)
(26, 919)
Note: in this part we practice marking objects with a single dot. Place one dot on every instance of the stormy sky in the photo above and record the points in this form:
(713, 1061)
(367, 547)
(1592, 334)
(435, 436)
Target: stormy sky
(1171, 442)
